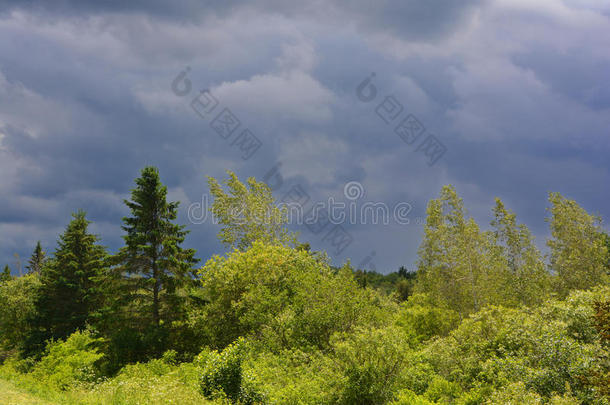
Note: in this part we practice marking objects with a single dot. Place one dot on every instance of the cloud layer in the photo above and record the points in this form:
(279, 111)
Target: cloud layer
(517, 91)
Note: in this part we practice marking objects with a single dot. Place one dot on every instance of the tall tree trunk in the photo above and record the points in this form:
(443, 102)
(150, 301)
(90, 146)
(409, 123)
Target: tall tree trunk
(156, 289)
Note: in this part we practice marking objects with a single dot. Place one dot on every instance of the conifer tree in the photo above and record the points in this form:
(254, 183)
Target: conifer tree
(154, 264)
(6, 274)
(37, 260)
(68, 293)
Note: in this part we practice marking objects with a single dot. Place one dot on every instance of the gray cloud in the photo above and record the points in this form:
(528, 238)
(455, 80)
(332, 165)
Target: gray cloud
(517, 91)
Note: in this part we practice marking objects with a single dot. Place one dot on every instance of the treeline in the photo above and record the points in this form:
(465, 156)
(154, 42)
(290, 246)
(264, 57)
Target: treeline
(485, 318)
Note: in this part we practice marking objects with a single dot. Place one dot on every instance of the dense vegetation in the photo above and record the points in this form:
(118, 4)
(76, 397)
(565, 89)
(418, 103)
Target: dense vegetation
(484, 319)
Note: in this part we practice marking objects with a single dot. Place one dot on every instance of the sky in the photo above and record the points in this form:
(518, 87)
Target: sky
(510, 99)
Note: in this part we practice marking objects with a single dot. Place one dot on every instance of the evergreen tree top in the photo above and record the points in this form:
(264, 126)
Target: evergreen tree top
(37, 260)
(6, 274)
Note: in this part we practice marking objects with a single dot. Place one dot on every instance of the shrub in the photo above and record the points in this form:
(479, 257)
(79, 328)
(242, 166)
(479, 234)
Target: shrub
(154, 383)
(499, 346)
(69, 362)
(370, 361)
(223, 376)
(408, 397)
(515, 393)
(441, 390)
(425, 320)
(296, 377)
(16, 308)
(284, 297)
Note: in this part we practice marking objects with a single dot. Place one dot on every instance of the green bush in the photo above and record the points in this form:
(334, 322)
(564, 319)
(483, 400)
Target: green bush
(497, 347)
(283, 297)
(419, 316)
(370, 361)
(296, 377)
(223, 376)
(515, 393)
(408, 397)
(67, 363)
(441, 390)
(154, 382)
(17, 298)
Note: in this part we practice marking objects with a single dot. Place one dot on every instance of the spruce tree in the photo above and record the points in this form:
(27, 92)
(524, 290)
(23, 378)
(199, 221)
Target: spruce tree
(6, 274)
(37, 260)
(68, 294)
(154, 264)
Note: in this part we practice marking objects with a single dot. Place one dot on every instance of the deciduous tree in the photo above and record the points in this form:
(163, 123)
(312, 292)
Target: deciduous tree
(527, 279)
(578, 249)
(248, 213)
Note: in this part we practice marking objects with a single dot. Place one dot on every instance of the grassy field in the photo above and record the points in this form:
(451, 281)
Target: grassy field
(11, 395)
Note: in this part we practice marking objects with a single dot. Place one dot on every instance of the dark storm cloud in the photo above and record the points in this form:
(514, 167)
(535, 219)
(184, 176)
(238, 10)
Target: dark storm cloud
(516, 91)
(407, 18)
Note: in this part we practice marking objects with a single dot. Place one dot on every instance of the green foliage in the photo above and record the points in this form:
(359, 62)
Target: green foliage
(67, 363)
(148, 289)
(294, 376)
(154, 382)
(399, 283)
(153, 260)
(277, 324)
(38, 259)
(425, 320)
(17, 307)
(408, 397)
(441, 390)
(68, 294)
(526, 281)
(6, 274)
(599, 376)
(370, 361)
(224, 377)
(248, 213)
(579, 254)
(458, 267)
(515, 393)
(500, 346)
(284, 296)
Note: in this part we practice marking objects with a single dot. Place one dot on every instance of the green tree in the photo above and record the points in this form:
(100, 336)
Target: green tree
(37, 260)
(283, 296)
(606, 238)
(457, 265)
(153, 260)
(68, 294)
(370, 361)
(528, 280)
(6, 274)
(247, 213)
(600, 375)
(17, 299)
(578, 249)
